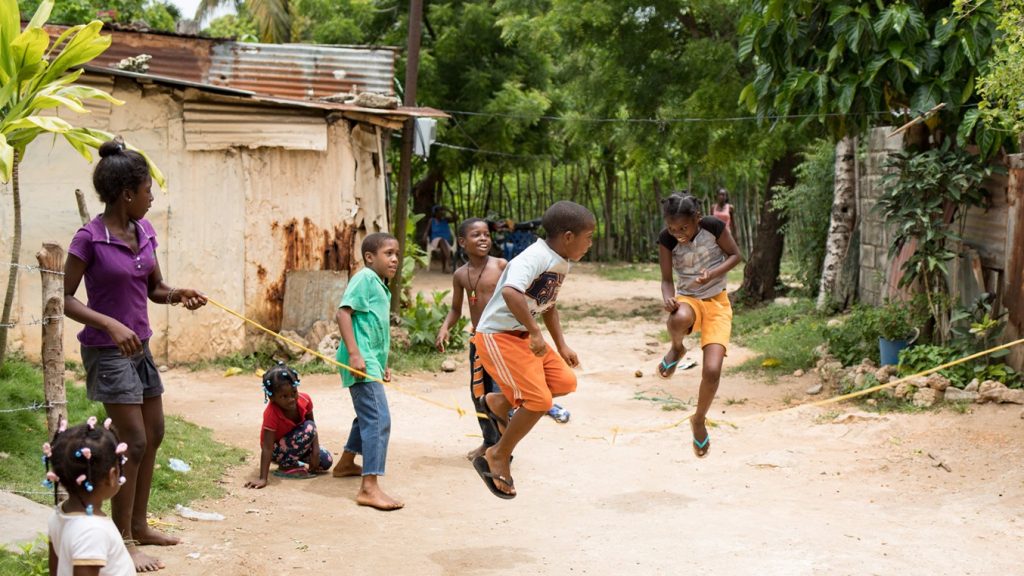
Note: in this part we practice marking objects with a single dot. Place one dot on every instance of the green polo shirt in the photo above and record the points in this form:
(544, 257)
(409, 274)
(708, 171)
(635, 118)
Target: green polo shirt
(370, 300)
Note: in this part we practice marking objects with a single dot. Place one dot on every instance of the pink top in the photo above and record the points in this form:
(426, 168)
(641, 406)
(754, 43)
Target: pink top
(724, 213)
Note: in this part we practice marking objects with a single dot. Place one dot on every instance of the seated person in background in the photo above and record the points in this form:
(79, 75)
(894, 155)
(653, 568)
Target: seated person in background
(439, 237)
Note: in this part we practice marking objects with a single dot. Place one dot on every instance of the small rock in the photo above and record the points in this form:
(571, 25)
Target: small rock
(832, 323)
(400, 338)
(851, 417)
(1005, 396)
(288, 349)
(448, 365)
(798, 373)
(319, 329)
(871, 402)
(958, 395)
(868, 363)
(904, 390)
(639, 373)
(973, 386)
(329, 345)
(885, 373)
(937, 382)
(926, 397)
(815, 389)
(821, 350)
(164, 368)
(860, 379)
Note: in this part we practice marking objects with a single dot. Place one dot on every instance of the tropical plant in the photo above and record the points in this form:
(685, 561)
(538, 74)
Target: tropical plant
(1002, 83)
(919, 189)
(38, 76)
(273, 18)
(157, 14)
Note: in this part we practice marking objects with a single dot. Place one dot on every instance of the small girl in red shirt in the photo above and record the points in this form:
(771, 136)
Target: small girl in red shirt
(289, 435)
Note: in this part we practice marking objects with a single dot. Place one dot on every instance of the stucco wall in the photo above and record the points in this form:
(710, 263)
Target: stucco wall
(230, 223)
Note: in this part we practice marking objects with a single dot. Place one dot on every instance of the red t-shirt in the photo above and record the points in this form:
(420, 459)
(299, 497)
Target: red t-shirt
(274, 419)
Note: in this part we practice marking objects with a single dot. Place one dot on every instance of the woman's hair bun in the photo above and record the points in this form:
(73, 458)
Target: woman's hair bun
(110, 148)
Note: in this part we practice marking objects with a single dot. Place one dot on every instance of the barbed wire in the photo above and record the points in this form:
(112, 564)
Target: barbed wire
(32, 407)
(35, 322)
(30, 268)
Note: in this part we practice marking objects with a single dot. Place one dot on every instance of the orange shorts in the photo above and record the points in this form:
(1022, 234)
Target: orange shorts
(712, 316)
(525, 380)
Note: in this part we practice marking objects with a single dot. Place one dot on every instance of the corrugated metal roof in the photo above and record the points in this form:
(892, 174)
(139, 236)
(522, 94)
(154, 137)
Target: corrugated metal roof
(297, 71)
(301, 71)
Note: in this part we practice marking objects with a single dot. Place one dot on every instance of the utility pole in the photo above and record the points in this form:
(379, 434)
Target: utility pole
(412, 70)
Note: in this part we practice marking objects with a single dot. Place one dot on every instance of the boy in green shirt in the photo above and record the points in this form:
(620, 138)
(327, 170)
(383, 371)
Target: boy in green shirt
(363, 318)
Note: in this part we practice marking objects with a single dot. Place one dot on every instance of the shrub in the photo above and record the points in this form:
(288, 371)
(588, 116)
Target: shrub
(423, 318)
(856, 337)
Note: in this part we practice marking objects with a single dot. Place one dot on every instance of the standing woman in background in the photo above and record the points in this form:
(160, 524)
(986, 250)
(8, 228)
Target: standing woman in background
(724, 211)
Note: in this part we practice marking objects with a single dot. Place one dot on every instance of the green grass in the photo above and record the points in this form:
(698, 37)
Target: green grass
(418, 360)
(260, 361)
(783, 335)
(635, 307)
(625, 271)
(24, 433)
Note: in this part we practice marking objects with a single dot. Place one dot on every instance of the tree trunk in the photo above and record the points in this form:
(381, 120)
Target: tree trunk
(844, 213)
(610, 228)
(762, 270)
(12, 275)
(51, 264)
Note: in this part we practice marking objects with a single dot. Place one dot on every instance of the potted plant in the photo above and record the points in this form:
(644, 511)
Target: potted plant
(897, 329)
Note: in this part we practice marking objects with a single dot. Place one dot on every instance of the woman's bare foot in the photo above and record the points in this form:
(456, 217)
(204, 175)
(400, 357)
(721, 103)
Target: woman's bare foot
(475, 452)
(370, 494)
(147, 536)
(144, 562)
(346, 466)
(501, 468)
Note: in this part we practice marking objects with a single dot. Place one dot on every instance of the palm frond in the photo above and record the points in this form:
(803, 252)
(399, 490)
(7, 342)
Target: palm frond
(208, 7)
(273, 19)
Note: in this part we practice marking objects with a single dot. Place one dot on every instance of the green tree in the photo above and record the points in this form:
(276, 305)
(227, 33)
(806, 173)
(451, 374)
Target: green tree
(849, 64)
(157, 14)
(38, 76)
(1002, 83)
(238, 26)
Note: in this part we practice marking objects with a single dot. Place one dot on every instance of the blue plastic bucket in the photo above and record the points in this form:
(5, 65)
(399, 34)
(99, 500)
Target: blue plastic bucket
(889, 350)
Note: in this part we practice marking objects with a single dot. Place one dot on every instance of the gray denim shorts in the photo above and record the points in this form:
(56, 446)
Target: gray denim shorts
(113, 379)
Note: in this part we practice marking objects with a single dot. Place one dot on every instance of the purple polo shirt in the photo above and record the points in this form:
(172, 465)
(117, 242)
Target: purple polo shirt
(116, 279)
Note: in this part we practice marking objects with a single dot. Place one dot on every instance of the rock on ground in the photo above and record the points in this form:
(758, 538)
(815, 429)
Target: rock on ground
(957, 395)
(21, 520)
(926, 397)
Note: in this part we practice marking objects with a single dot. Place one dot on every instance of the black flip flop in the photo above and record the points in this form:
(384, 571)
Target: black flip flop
(484, 470)
(491, 416)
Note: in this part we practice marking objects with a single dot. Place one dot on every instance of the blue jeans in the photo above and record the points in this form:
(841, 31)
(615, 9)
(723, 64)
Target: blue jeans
(371, 428)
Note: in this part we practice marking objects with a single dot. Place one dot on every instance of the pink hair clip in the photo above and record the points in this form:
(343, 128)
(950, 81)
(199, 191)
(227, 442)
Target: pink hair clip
(86, 453)
(91, 421)
(80, 479)
(47, 450)
(51, 476)
(121, 480)
(121, 448)
(107, 423)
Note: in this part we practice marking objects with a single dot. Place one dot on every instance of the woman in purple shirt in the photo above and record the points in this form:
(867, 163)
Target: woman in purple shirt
(116, 254)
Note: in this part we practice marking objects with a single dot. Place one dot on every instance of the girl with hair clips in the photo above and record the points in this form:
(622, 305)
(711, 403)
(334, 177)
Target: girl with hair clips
(87, 460)
(289, 435)
(116, 255)
(700, 251)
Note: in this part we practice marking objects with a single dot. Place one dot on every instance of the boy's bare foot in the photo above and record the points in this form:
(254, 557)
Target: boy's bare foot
(144, 562)
(501, 468)
(475, 452)
(345, 470)
(147, 536)
(371, 495)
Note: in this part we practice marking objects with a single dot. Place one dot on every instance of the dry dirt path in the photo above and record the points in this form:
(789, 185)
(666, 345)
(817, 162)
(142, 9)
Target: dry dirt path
(789, 493)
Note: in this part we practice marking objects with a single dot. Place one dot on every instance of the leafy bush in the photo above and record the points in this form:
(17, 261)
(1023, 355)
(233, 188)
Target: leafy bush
(856, 337)
(33, 559)
(925, 357)
(423, 319)
(808, 206)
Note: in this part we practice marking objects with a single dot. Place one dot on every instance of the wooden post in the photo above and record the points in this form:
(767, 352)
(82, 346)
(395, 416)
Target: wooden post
(51, 264)
(83, 211)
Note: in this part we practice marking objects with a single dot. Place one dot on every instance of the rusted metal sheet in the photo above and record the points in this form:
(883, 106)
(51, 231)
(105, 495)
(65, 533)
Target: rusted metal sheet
(302, 71)
(985, 228)
(246, 124)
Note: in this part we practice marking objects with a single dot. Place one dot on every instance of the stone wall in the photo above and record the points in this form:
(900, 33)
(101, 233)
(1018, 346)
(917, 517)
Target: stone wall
(875, 237)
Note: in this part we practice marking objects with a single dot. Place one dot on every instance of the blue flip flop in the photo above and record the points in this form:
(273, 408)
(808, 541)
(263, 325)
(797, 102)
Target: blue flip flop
(559, 414)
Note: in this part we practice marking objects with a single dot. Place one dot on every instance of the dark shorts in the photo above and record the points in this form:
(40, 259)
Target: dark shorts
(113, 379)
(481, 384)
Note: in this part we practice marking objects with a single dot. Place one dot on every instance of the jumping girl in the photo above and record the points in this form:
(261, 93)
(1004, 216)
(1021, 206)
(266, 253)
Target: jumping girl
(701, 251)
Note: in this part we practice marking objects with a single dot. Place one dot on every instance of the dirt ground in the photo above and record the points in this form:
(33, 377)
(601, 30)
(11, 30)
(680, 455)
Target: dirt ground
(799, 491)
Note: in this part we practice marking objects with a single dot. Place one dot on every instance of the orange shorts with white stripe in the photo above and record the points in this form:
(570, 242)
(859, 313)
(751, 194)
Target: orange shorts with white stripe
(525, 379)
